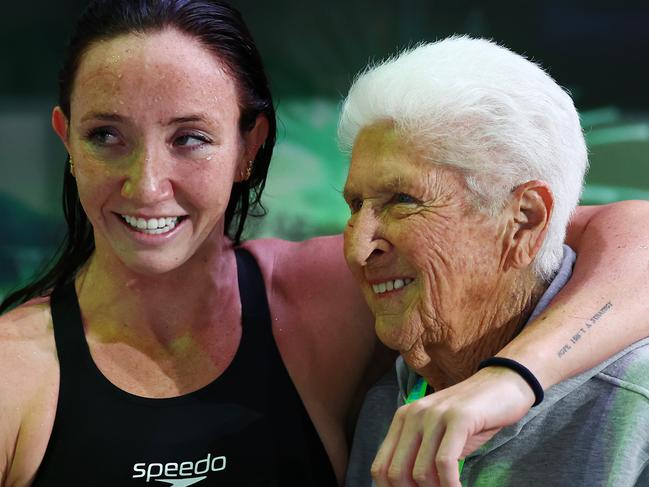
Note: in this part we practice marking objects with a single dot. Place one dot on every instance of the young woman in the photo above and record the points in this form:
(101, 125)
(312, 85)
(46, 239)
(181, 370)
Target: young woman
(157, 349)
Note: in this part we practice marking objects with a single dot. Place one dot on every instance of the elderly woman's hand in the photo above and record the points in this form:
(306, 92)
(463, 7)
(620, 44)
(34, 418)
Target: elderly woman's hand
(429, 436)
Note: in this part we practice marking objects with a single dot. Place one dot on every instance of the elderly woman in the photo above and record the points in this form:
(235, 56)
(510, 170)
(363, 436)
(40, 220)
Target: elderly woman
(463, 177)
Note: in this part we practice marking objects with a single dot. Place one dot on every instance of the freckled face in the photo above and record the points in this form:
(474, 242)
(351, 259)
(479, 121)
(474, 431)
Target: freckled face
(154, 136)
(425, 260)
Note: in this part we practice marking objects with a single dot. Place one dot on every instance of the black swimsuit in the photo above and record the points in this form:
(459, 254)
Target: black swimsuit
(247, 427)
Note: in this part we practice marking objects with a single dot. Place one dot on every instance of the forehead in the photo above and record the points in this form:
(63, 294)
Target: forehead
(383, 161)
(170, 64)
(381, 156)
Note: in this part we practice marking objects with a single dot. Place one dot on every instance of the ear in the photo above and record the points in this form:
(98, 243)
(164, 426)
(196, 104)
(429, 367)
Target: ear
(60, 125)
(531, 209)
(253, 140)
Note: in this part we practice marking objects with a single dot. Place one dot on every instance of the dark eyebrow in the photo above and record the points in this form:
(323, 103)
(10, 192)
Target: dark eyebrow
(114, 117)
(107, 117)
(189, 118)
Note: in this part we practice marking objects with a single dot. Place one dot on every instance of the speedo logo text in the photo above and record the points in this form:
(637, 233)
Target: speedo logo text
(179, 474)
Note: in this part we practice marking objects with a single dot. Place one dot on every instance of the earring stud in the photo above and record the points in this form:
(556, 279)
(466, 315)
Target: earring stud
(248, 171)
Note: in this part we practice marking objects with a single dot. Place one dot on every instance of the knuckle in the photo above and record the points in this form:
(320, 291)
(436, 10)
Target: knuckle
(378, 471)
(421, 475)
(401, 412)
(411, 411)
(443, 461)
(395, 473)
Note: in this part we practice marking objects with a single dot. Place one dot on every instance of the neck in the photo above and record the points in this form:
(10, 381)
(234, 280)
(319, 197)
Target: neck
(118, 303)
(490, 328)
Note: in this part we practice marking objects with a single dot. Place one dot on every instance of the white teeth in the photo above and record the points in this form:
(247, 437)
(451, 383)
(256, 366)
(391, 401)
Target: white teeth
(152, 226)
(391, 285)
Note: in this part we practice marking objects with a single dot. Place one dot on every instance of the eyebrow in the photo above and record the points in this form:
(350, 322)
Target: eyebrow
(105, 116)
(199, 117)
(114, 117)
(394, 185)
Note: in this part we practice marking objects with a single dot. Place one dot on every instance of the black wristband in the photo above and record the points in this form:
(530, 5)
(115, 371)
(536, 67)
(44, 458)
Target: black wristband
(521, 370)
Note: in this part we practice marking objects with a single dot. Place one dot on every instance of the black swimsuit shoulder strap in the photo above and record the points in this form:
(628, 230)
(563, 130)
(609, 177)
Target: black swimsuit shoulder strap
(68, 328)
(255, 311)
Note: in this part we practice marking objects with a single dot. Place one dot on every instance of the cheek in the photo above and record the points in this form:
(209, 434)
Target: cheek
(95, 185)
(439, 251)
(206, 190)
(431, 247)
(461, 267)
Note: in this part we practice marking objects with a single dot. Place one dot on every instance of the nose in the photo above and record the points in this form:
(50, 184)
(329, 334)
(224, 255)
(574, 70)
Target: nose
(364, 241)
(147, 180)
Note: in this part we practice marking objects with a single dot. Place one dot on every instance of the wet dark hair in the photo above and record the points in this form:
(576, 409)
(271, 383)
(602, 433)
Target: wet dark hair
(220, 28)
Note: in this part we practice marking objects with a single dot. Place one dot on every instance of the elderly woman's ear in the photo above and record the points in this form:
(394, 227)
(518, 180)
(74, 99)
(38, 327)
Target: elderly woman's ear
(530, 208)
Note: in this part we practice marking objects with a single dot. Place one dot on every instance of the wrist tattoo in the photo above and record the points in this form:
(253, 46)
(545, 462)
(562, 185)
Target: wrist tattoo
(589, 323)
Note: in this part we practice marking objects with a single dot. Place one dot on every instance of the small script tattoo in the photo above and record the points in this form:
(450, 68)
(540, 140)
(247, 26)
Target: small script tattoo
(584, 329)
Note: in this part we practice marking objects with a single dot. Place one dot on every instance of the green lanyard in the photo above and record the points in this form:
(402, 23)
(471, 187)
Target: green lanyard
(419, 391)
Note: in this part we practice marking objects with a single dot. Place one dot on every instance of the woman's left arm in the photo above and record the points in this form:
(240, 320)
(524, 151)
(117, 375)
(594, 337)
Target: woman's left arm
(608, 290)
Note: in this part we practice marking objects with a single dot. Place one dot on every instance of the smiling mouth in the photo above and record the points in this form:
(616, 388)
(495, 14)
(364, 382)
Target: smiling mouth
(391, 285)
(152, 226)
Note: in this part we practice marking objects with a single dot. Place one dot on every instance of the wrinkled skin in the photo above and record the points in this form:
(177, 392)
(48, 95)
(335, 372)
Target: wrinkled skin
(411, 220)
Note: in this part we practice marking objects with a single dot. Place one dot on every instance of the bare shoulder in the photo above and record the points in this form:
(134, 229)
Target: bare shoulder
(313, 270)
(27, 320)
(26, 341)
(28, 388)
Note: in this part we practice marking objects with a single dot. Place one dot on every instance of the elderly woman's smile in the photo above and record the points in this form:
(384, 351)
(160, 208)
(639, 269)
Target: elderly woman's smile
(434, 270)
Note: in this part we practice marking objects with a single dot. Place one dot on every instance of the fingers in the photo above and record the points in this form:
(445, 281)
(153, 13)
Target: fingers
(424, 471)
(427, 437)
(448, 453)
(395, 464)
(403, 469)
(383, 460)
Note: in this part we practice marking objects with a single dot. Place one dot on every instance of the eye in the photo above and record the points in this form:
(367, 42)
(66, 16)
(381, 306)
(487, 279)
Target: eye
(192, 140)
(104, 136)
(355, 205)
(406, 199)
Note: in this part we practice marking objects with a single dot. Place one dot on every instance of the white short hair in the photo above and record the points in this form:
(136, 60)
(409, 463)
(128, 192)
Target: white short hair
(491, 113)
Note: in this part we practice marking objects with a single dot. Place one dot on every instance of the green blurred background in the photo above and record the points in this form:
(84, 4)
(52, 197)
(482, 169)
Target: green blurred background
(312, 49)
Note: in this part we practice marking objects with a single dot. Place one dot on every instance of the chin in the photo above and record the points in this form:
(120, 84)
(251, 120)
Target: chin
(392, 333)
(152, 266)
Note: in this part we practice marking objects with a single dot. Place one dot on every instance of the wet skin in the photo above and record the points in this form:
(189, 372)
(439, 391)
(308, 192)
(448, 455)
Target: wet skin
(150, 141)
